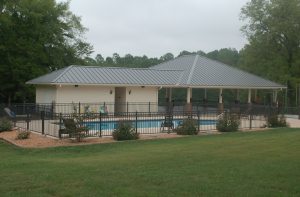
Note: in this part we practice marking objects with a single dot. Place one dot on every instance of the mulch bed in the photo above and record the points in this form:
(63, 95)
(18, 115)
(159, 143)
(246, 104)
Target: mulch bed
(39, 141)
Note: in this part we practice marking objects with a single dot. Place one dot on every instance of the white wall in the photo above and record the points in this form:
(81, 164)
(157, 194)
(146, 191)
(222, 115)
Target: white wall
(87, 94)
(145, 95)
(41, 93)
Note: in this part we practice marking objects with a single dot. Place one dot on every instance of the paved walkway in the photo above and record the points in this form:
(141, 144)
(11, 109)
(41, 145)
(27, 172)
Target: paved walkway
(294, 123)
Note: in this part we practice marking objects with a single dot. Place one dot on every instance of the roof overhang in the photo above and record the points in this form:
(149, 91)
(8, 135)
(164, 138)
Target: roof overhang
(159, 85)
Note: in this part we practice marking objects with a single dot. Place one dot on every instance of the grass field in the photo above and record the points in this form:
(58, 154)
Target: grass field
(259, 163)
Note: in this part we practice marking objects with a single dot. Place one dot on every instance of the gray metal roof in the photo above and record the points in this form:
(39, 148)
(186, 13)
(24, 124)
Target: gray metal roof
(109, 75)
(189, 70)
(202, 71)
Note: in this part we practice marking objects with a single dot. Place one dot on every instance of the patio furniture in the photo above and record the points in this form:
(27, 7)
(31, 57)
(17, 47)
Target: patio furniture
(168, 123)
(12, 116)
(104, 109)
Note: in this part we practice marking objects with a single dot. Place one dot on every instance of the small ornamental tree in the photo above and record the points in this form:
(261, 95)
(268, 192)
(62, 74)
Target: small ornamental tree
(76, 126)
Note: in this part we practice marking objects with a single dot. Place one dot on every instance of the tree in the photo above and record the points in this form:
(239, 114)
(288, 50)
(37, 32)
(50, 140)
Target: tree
(34, 35)
(274, 40)
(99, 59)
(167, 57)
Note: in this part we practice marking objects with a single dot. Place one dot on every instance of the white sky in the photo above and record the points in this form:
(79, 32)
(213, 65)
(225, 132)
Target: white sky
(156, 27)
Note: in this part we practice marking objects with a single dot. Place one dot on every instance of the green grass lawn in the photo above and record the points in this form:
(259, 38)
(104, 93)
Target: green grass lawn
(259, 163)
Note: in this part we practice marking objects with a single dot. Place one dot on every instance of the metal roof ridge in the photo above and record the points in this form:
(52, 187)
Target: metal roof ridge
(192, 70)
(170, 60)
(68, 68)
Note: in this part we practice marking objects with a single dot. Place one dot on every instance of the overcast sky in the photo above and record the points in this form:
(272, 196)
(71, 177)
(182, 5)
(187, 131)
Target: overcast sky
(157, 27)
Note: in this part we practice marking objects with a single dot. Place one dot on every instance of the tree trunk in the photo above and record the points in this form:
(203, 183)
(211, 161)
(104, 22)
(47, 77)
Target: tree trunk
(289, 94)
(9, 97)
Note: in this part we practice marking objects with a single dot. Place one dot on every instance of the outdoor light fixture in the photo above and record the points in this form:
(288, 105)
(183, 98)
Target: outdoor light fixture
(76, 86)
(129, 91)
(143, 86)
(111, 91)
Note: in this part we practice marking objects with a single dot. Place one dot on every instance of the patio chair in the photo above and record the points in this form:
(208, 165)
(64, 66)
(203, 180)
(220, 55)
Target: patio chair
(167, 123)
(12, 116)
(104, 110)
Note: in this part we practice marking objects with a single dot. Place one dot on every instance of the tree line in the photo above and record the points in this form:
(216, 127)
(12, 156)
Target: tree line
(36, 35)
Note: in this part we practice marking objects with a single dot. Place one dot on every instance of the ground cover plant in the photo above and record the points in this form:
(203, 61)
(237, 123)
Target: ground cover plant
(188, 127)
(258, 163)
(228, 123)
(275, 121)
(125, 131)
(5, 125)
(23, 134)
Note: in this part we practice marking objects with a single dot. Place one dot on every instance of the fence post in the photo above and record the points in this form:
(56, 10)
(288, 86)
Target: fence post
(79, 108)
(299, 113)
(149, 108)
(127, 109)
(43, 121)
(136, 121)
(250, 121)
(15, 121)
(169, 122)
(27, 120)
(59, 131)
(100, 123)
(198, 121)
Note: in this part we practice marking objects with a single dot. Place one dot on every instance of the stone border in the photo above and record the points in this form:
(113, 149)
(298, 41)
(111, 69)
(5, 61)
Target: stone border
(12, 143)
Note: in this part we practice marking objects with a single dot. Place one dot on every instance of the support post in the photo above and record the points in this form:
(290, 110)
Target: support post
(149, 108)
(249, 96)
(255, 96)
(169, 122)
(220, 105)
(170, 95)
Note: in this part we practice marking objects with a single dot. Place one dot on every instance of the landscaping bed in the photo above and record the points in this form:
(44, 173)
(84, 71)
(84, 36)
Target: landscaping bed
(40, 141)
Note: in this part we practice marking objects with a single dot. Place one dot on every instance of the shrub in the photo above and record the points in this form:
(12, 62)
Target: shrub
(5, 125)
(125, 131)
(228, 123)
(188, 127)
(275, 121)
(23, 134)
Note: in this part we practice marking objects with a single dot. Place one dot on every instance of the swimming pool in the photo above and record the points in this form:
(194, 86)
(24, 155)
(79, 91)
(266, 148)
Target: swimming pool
(108, 125)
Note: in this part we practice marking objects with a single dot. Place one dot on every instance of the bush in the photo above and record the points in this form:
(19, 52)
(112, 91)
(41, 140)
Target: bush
(23, 134)
(275, 121)
(188, 127)
(5, 125)
(125, 131)
(228, 123)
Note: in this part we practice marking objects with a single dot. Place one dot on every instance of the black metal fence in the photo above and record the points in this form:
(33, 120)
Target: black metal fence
(43, 119)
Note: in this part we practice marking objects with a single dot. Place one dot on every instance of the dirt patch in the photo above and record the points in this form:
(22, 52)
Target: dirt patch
(40, 141)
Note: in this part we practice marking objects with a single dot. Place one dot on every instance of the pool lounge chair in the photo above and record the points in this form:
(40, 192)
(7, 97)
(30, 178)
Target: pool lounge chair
(167, 123)
(15, 117)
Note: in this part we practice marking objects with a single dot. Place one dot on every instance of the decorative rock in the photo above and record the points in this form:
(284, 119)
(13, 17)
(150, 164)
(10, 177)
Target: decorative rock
(209, 133)
(153, 136)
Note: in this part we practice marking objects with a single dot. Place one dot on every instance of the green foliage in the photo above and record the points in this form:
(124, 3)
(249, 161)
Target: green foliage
(23, 134)
(273, 51)
(275, 121)
(34, 35)
(188, 127)
(76, 126)
(5, 125)
(125, 131)
(228, 123)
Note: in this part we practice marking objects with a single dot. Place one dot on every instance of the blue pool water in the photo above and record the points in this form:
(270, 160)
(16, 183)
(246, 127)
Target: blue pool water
(107, 125)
